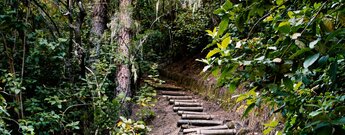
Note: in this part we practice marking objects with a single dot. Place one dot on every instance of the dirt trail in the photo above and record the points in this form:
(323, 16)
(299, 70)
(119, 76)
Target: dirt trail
(165, 122)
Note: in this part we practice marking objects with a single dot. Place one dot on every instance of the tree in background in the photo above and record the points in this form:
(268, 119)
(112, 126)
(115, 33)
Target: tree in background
(123, 75)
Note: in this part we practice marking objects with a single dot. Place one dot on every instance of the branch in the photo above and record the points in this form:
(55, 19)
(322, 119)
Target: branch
(52, 21)
(73, 106)
(305, 28)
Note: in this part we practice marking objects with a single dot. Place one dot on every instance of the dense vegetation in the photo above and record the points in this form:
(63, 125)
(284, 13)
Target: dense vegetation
(290, 57)
(62, 61)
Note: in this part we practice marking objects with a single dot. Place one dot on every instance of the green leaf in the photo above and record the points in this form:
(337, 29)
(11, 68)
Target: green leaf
(223, 25)
(296, 87)
(315, 113)
(340, 121)
(273, 123)
(279, 2)
(62, 39)
(288, 83)
(284, 27)
(333, 71)
(323, 60)
(291, 14)
(232, 87)
(227, 5)
(300, 44)
(338, 32)
(212, 52)
(299, 52)
(267, 131)
(317, 5)
(295, 35)
(218, 11)
(225, 43)
(249, 108)
(311, 60)
(313, 43)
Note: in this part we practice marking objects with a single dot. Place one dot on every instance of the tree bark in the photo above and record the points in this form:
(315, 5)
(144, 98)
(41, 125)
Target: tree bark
(123, 75)
(99, 16)
(99, 21)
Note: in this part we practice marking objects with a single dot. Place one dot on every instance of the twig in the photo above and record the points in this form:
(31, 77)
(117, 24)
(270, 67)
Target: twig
(305, 28)
(54, 24)
(73, 106)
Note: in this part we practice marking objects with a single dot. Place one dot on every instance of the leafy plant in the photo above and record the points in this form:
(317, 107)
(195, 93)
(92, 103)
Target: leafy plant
(130, 127)
(292, 52)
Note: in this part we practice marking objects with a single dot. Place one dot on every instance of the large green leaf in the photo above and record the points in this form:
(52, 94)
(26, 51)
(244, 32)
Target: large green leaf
(212, 52)
(227, 5)
(284, 27)
(225, 43)
(223, 25)
(310, 60)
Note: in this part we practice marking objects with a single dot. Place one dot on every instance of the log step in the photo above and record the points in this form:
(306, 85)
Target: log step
(197, 109)
(187, 104)
(171, 101)
(204, 128)
(196, 116)
(177, 97)
(200, 122)
(173, 93)
(191, 112)
(217, 132)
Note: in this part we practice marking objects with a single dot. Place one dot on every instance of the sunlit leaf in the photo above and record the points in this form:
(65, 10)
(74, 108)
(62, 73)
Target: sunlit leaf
(225, 43)
(295, 35)
(300, 44)
(212, 52)
(313, 43)
(268, 18)
(290, 14)
(227, 5)
(284, 27)
(310, 60)
(279, 2)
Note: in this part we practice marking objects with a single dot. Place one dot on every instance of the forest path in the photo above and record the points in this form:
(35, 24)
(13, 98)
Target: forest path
(180, 112)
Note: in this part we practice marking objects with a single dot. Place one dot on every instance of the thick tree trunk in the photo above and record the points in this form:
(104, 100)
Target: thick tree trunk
(123, 75)
(99, 16)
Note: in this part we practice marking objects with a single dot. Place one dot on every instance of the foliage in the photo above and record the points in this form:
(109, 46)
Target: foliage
(146, 99)
(292, 51)
(129, 127)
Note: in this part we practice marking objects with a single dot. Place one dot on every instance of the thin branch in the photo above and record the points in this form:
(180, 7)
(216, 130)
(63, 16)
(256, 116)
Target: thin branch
(305, 28)
(76, 105)
(52, 21)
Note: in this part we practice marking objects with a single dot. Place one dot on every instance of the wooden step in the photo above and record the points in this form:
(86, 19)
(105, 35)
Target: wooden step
(173, 93)
(196, 109)
(196, 116)
(200, 122)
(187, 104)
(177, 97)
(172, 101)
(204, 128)
(191, 112)
(217, 132)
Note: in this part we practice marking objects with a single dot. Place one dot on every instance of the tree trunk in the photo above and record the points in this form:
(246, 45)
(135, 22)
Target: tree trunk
(99, 16)
(123, 75)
